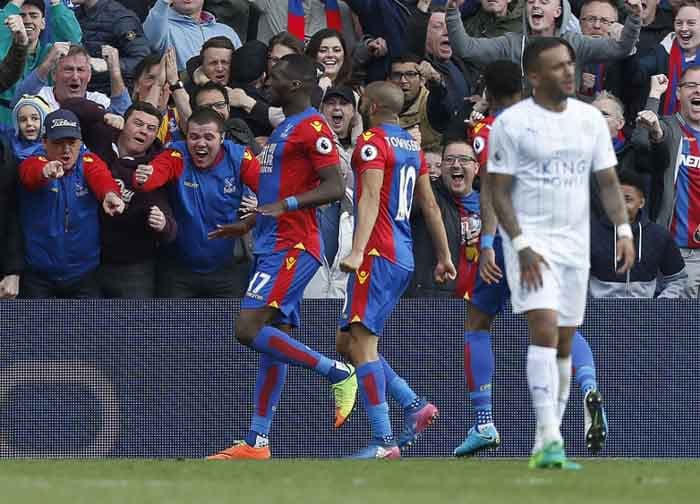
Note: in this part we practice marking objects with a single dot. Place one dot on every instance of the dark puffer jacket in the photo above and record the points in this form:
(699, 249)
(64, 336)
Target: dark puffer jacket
(11, 254)
(108, 22)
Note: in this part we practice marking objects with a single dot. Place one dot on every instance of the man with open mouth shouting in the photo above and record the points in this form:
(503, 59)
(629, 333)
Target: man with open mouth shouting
(206, 177)
(60, 195)
(130, 243)
(62, 24)
(675, 198)
(543, 18)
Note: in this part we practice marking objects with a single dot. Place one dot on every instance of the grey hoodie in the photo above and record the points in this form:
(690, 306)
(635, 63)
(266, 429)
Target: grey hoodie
(511, 46)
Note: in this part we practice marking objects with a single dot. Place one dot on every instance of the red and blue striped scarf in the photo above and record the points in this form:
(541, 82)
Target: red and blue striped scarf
(676, 64)
(295, 17)
(468, 266)
(599, 81)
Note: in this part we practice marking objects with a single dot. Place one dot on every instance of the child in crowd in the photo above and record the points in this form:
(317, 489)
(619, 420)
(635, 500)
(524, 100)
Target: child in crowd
(28, 121)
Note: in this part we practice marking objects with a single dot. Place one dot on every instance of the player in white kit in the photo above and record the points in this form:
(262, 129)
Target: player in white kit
(541, 155)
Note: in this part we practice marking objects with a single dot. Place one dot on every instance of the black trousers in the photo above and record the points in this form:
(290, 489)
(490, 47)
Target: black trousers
(34, 285)
(176, 281)
(128, 281)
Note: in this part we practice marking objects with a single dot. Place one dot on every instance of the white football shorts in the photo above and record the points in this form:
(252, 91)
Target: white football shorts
(564, 290)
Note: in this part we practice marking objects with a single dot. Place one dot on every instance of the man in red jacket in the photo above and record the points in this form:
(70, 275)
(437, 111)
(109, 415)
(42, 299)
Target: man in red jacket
(59, 195)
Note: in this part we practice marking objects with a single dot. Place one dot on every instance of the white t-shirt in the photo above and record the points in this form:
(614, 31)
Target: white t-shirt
(47, 94)
(551, 155)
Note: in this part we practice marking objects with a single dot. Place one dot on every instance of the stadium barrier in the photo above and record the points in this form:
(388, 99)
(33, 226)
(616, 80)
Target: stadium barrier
(165, 378)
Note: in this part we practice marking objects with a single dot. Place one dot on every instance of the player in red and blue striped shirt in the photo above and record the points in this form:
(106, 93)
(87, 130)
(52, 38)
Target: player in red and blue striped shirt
(389, 168)
(299, 170)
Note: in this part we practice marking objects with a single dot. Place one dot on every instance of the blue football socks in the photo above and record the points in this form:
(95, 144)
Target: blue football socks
(268, 389)
(397, 387)
(582, 362)
(372, 385)
(282, 347)
(478, 370)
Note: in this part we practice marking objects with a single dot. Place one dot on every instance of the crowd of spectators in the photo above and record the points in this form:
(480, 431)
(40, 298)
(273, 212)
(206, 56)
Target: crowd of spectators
(90, 90)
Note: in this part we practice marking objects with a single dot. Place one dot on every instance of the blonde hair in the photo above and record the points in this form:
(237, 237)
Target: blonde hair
(607, 95)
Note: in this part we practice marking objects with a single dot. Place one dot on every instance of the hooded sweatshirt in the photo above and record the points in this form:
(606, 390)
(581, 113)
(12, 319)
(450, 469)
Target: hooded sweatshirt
(165, 27)
(511, 46)
(655, 251)
(485, 24)
(22, 147)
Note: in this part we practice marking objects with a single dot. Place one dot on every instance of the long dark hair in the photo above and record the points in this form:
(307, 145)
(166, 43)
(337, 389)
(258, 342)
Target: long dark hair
(314, 46)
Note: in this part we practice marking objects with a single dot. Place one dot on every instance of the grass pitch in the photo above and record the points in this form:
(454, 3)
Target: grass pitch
(408, 481)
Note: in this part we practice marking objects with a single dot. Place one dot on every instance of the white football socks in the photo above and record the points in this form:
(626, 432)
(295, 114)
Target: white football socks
(543, 382)
(564, 365)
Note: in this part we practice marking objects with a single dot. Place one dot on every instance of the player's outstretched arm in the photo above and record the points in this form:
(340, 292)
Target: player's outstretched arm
(444, 269)
(331, 188)
(614, 205)
(366, 216)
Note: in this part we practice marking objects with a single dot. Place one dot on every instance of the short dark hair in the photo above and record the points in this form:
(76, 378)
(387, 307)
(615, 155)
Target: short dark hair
(288, 40)
(220, 42)
(691, 67)
(301, 68)
(631, 178)
(406, 57)
(208, 86)
(39, 4)
(203, 116)
(689, 3)
(146, 63)
(146, 108)
(537, 45)
(314, 46)
(433, 148)
(502, 79)
(455, 139)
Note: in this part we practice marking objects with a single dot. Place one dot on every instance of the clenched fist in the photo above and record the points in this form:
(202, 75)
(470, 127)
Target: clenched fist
(143, 173)
(112, 204)
(649, 120)
(16, 26)
(658, 84)
(156, 219)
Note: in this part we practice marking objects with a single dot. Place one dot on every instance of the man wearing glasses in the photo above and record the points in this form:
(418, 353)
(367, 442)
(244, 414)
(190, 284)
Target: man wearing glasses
(544, 18)
(599, 19)
(675, 198)
(459, 206)
(424, 98)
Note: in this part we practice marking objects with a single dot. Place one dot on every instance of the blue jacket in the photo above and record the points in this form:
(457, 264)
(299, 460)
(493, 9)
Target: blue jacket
(110, 23)
(387, 19)
(60, 220)
(164, 28)
(202, 199)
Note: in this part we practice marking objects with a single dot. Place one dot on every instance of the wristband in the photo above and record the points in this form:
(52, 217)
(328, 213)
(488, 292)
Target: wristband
(292, 203)
(487, 241)
(624, 231)
(520, 243)
(176, 86)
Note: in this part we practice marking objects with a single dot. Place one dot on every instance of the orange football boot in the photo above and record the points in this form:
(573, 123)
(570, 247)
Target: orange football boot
(242, 451)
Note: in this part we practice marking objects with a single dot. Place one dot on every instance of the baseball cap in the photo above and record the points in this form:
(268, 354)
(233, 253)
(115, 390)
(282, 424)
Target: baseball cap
(62, 124)
(343, 92)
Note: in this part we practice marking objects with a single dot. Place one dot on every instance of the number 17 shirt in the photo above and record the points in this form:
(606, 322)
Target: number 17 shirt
(391, 149)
